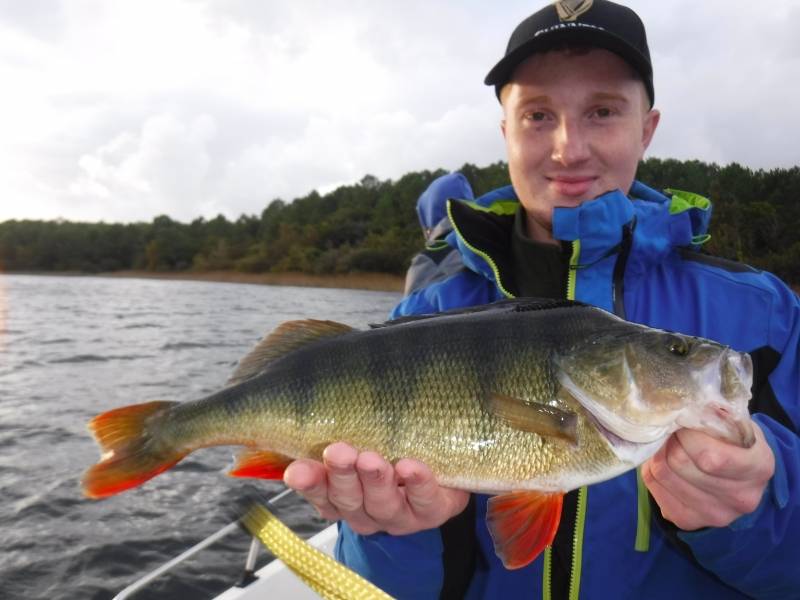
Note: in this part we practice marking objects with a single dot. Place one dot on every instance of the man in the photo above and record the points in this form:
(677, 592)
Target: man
(577, 95)
(439, 260)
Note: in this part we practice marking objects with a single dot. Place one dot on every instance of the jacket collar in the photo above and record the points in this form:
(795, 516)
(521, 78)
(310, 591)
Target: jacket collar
(660, 222)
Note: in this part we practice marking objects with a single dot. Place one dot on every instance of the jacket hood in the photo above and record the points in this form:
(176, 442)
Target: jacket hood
(660, 223)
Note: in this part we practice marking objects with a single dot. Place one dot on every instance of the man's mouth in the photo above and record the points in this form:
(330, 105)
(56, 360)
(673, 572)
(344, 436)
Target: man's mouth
(571, 186)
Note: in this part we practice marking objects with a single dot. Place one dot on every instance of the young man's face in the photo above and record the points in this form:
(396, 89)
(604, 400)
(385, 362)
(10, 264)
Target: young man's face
(576, 125)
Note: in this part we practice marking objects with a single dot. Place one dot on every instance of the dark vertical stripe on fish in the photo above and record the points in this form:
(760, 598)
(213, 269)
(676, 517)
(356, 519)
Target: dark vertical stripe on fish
(385, 357)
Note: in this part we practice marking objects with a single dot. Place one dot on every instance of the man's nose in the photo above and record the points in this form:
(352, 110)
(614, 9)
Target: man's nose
(570, 145)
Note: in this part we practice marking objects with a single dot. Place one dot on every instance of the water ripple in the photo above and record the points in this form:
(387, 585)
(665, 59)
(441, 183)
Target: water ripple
(57, 545)
(184, 346)
(80, 358)
(143, 326)
(83, 358)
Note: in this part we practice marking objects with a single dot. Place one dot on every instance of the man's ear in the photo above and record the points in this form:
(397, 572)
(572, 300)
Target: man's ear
(651, 120)
(503, 127)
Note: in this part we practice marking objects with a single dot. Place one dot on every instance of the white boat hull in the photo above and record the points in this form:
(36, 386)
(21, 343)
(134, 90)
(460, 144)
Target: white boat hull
(275, 580)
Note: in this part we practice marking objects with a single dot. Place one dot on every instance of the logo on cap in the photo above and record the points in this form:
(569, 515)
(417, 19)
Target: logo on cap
(570, 10)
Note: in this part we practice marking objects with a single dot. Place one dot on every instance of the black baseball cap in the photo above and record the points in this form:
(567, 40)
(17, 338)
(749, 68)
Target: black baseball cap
(597, 23)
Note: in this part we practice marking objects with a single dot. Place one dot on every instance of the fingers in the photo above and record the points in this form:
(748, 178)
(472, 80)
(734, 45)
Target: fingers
(430, 504)
(687, 506)
(675, 466)
(371, 495)
(345, 489)
(383, 500)
(672, 507)
(422, 491)
(698, 481)
(309, 479)
(720, 459)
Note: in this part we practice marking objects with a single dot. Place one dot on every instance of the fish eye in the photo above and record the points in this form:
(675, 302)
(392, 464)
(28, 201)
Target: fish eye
(678, 346)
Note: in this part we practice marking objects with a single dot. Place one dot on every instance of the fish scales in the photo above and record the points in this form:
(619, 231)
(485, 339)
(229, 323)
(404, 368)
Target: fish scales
(364, 389)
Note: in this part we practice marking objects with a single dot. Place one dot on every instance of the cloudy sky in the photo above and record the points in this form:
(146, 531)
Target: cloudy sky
(120, 110)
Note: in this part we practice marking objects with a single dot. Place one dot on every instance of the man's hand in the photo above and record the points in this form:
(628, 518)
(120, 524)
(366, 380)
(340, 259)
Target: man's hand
(699, 481)
(364, 490)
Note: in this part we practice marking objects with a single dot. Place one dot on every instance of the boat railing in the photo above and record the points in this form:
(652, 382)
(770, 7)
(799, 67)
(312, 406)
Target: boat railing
(250, 561)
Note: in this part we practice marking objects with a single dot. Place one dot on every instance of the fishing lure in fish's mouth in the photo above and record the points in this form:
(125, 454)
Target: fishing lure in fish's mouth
(526, 399)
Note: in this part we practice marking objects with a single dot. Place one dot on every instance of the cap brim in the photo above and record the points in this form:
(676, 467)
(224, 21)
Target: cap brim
(503, 71)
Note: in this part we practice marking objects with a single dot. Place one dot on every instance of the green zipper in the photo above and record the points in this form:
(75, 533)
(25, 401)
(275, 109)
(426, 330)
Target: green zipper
(580, 516)
(577, 545)
(642, 543)
(572, 275)
(547, 570)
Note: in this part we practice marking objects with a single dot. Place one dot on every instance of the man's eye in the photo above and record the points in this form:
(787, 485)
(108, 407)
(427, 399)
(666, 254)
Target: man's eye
(535, 116)
(603, 112)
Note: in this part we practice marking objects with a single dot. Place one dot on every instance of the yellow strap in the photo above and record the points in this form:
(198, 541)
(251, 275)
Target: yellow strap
(329, 578)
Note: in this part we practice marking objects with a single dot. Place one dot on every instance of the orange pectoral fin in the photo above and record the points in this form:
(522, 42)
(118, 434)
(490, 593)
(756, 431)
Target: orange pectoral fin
(522, 524)
(261, 464)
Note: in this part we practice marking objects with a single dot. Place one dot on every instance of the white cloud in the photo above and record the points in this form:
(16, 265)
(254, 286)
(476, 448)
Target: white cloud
(725, 81)
(161, 169)
(122, 111)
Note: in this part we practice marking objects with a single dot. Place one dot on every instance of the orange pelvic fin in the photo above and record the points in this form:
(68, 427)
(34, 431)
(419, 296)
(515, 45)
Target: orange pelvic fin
(522, 525)
(261, 464)
(130, 453)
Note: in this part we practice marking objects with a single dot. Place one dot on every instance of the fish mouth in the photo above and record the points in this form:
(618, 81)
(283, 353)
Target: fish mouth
(726, 389)
(721, 422)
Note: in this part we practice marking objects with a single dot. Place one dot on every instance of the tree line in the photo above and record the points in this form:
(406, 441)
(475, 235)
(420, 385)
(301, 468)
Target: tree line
(372, 226)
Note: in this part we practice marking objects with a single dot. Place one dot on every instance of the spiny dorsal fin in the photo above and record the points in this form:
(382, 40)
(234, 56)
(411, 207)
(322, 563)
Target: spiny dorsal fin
(287, 338)
(541, 419)
(508, 305)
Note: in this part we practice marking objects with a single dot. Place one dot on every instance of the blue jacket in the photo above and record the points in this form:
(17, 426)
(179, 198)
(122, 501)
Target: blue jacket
(637, 258)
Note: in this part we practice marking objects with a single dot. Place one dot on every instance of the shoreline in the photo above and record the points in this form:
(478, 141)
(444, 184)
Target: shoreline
(376, 282)
(379, 282)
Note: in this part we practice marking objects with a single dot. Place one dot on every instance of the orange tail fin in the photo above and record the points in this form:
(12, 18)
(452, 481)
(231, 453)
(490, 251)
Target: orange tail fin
(130, 453)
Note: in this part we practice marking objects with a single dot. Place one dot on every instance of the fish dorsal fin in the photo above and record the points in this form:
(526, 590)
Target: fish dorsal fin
(522, 524)
(287, 338)
(541, 419)
(508, 305)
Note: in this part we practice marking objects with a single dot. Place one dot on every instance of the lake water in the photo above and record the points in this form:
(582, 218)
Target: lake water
(72, 347)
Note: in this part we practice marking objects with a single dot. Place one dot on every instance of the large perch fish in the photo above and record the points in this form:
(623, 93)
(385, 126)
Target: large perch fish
(526, 399)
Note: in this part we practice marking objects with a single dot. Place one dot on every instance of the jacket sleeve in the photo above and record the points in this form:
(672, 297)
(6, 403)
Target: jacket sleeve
(407, 566)
(460, 290)
(757, 553)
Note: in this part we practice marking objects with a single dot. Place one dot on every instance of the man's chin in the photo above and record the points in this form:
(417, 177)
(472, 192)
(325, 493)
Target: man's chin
(571, 201)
